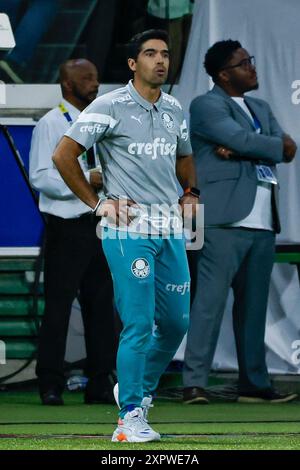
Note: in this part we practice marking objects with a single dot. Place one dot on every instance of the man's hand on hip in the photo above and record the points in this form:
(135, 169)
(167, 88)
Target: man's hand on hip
(117, 212)
(189, 204)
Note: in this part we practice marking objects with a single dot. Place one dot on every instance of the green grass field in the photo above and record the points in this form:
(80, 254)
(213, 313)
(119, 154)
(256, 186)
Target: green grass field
(26, 424)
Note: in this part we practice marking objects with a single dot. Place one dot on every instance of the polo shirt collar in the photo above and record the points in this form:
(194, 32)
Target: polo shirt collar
(140, 100)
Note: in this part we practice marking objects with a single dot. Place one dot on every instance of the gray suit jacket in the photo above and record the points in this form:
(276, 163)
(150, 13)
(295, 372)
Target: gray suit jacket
(228, 187)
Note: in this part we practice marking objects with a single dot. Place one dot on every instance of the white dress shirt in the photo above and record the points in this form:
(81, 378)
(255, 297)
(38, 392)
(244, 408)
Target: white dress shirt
(55, 196)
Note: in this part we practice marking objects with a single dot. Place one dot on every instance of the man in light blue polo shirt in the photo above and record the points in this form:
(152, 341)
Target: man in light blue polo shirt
(144, 144)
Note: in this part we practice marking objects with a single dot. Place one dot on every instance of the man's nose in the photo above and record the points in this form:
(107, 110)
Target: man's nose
(160, 59)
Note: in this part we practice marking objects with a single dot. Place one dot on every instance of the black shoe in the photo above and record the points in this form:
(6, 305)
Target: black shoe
(100, 390)
(52, 398)
(266, 396)
(195, 395)
(106, 397)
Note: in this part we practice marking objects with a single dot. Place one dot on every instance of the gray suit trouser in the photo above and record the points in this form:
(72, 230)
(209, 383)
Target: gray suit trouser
(242, 259)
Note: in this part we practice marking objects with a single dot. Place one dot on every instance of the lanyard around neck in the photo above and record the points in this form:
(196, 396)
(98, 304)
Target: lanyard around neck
(65, 113)
(256, 121)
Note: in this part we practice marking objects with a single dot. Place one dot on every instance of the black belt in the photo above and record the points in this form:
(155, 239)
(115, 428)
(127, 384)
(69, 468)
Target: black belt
(91, 215)
(86, 216)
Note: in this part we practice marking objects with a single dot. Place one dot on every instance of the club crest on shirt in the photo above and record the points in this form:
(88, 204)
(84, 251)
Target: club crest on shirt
(168, 121)
(140, 268)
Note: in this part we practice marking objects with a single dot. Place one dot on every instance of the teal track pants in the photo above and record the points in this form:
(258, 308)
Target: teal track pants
(152, 288)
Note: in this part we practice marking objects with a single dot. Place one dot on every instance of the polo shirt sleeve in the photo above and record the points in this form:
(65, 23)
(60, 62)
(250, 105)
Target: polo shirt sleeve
(94, 124)
(183, 142)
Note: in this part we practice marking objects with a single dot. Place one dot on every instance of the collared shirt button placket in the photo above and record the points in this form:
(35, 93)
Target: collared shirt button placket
(155, 122)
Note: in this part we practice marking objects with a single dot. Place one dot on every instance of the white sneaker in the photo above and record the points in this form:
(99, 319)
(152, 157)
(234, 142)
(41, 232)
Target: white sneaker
(116, 395)
(134, 428)
(146, 402)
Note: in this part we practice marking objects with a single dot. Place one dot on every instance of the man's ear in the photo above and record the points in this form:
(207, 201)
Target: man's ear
(67, 85)
(132, 64)
(223, 76)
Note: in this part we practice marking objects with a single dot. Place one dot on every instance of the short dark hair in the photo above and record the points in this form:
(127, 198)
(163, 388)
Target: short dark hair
(218, 55)
(135, 44)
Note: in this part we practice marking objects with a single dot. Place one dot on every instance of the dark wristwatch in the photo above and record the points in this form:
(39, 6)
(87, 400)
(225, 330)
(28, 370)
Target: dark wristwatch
(193, 191)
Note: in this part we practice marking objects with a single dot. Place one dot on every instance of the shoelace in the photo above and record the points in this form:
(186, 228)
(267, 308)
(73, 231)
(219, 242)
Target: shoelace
(146, 409)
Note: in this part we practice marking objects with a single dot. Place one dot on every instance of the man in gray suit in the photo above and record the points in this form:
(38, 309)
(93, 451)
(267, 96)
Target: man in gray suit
(237, 143)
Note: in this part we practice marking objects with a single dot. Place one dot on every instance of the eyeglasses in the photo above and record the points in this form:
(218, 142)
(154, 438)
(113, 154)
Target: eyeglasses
(245, 64)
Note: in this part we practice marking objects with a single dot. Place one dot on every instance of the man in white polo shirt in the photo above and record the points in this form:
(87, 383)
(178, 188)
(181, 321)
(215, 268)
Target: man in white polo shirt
(75, 265)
